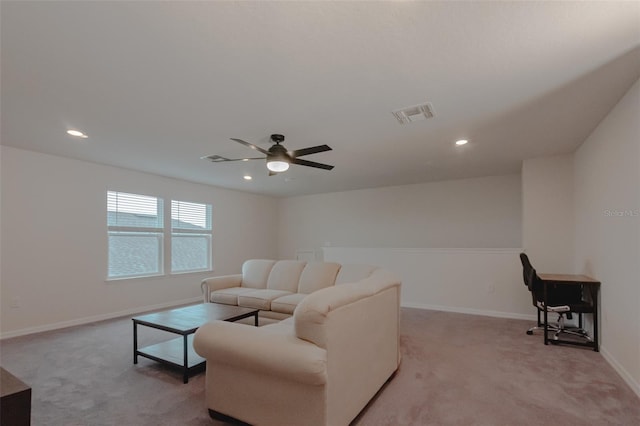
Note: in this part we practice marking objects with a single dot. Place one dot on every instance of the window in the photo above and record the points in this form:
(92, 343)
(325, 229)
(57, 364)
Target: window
(139, 236)
(136, 225)
(190, 236)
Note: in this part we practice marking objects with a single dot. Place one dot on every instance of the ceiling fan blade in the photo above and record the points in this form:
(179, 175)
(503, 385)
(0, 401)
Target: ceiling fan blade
(272, 173)
(310, 150)
(245, 159)
(310, 164)
(250, 145)
(221, 159)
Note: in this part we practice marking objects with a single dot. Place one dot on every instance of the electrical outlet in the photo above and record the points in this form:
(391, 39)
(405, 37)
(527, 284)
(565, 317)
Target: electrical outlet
(15, 302)
(491, 288)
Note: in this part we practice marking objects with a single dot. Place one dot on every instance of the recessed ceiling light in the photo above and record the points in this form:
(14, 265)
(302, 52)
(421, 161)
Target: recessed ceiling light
(247, 177)
(245, 159)
(77, 133)
(462, 142)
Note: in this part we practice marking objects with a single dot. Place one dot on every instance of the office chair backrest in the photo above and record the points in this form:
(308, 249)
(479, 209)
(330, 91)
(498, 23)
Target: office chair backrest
(535, 284)
(526, 268)
(529, 277)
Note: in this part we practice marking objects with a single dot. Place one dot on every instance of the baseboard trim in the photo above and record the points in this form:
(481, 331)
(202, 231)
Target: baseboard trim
(96, 318)
(482, 312)
(635, 386)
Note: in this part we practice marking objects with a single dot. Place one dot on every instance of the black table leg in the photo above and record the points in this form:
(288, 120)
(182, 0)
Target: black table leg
(135, 342)
(546, 323)
(593, 290)
(185, 377)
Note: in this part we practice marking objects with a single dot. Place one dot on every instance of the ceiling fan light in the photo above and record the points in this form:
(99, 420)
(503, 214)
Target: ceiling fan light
(277, 166)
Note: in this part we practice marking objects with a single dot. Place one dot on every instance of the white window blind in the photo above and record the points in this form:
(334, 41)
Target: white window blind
(191, 235)
(136, 227)
(134, 211)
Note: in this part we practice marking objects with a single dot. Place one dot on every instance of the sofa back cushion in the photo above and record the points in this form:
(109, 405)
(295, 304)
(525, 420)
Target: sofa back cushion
(285, 275)
(312, 315)
(255, 273)
(317, 275)
(354, 272)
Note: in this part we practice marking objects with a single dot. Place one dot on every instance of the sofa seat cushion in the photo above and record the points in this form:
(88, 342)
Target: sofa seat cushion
(229, 296)
(287, 304)
(270, 317)
(286, 326)
(260, 299)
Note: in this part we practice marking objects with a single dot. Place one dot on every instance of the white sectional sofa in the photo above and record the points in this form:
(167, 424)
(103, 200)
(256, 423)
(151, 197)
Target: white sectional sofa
(277, 287)
(319, 367)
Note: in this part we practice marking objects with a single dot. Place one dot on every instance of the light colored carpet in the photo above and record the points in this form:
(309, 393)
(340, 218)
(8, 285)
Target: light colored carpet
(456, 370)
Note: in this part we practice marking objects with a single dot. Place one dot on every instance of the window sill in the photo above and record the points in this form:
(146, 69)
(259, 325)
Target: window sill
(159, 276)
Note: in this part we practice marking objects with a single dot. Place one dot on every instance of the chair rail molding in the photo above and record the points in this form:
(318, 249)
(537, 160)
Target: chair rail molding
(478, 281)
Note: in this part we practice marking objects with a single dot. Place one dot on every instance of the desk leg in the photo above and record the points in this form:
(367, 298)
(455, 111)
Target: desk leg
(580, 321)
(255, 321)
(594, 299)
(546, 323)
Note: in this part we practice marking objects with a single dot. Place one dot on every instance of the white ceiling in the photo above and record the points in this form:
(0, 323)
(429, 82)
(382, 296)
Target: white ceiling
(157, 85)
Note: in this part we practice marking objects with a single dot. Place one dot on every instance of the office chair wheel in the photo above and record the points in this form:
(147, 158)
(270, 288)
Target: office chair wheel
(530, 332)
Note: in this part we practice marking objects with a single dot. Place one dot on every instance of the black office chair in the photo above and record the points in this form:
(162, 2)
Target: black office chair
(561, 300)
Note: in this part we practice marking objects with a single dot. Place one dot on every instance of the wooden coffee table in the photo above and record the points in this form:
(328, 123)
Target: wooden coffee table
(184, 321)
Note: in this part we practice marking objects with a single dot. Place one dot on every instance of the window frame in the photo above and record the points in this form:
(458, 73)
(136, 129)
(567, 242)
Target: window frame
(164, 234)
(142, 231)
(179, 232)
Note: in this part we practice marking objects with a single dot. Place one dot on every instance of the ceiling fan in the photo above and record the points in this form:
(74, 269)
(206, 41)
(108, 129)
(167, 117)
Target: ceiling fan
(278, 158)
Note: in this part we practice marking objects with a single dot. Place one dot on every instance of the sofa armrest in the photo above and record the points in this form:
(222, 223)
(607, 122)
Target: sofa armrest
(216, 283)
(256, 349)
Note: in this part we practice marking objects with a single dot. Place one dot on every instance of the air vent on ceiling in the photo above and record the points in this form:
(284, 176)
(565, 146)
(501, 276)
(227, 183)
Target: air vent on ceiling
(414, 113)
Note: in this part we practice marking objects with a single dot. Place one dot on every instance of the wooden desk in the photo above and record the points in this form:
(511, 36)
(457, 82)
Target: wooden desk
(591, 285)
(16, 400)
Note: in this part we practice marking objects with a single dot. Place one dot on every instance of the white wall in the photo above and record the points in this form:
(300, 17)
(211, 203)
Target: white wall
(607, 229)
(473, 281)
(547, 213)
(468, 213)
(446, 239)
(54, 240)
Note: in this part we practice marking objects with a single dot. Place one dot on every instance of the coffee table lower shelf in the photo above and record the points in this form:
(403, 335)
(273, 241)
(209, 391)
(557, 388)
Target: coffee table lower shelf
(173, 353)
